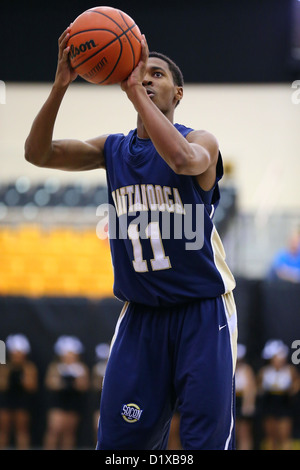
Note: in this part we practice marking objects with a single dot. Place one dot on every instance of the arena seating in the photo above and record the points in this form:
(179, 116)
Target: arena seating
(58, 261)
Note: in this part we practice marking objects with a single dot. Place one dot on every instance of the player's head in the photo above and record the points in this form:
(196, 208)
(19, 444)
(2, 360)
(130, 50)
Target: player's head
(174, 69)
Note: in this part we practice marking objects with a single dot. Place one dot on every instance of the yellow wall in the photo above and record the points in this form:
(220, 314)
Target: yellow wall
(56, 261)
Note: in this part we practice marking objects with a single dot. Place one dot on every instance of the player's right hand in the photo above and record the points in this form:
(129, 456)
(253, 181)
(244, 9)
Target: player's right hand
(65, 74)
(137, 75)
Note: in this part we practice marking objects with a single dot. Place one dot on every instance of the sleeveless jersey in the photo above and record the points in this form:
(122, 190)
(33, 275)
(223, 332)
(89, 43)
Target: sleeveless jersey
(164, 246)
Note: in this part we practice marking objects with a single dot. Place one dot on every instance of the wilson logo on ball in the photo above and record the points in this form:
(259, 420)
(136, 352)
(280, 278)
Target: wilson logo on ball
(85, 46)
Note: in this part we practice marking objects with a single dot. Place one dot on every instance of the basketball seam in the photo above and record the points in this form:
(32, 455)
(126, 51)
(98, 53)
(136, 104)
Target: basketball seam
(128, 27)
(107, 16)
(92, 29)
(100, 50)
(114, 68)
(128, 39)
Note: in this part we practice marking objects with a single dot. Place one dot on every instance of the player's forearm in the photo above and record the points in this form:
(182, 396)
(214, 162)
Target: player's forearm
(38, 145)
(169, 143)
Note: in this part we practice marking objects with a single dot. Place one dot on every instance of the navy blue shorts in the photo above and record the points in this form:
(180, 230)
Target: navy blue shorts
(181, 356)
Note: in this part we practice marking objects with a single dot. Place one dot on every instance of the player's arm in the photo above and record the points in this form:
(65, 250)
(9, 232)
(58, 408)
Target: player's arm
(195, 155)
(67, 154)
(206, 149)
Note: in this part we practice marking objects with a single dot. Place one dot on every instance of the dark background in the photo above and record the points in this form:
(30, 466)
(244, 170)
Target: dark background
(213, 41)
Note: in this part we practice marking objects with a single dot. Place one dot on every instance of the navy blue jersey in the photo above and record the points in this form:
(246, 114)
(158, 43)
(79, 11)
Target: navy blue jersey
(165, 248)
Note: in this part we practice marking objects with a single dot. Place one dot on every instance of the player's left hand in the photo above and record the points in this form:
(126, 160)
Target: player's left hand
(137, 75)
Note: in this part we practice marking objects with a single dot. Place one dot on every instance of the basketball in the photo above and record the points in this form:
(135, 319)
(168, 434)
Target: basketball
(105, 45)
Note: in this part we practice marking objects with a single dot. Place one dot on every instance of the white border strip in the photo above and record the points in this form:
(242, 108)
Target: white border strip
(232, 326)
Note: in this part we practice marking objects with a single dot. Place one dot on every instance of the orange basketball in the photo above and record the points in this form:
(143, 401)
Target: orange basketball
(105, 45)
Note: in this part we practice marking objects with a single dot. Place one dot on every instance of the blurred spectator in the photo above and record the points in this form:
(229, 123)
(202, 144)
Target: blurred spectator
(286, 265)
(67, 381)
(18, 383)
(278, 381)
(98, 371)
(245, 400)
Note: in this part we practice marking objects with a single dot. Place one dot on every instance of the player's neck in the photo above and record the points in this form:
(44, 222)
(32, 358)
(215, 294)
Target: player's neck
(141, 129)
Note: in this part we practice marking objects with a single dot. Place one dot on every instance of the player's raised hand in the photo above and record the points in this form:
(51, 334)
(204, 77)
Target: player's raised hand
(65, 74)
(137, 75)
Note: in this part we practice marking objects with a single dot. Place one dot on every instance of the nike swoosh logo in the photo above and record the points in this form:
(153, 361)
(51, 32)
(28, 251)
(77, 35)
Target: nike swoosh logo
(221, 327)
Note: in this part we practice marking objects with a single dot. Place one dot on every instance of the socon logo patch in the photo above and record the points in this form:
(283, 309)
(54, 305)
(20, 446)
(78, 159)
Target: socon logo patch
(131, 412)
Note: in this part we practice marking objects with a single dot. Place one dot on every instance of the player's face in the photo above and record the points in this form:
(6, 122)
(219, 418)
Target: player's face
(160, 86)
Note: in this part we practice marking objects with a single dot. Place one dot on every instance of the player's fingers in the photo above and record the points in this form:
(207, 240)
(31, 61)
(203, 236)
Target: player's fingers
(63, 39)
(63, 45)
(62, 36)
(65, 53)
(145, 49)
(145, 42)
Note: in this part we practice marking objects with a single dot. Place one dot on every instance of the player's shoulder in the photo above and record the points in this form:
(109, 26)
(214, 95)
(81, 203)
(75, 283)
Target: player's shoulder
(202, 136)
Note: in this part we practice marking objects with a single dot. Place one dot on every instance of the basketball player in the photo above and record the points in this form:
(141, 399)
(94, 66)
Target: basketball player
(175, 341)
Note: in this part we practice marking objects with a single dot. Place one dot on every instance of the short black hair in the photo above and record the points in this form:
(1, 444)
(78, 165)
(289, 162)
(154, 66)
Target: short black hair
(174, 69)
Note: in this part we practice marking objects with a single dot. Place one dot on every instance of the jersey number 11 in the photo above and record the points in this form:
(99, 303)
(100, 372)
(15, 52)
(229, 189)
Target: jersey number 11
(160, 260)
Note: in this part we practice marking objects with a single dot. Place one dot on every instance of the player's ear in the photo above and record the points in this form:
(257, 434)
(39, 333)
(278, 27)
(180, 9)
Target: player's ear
(178, 93)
